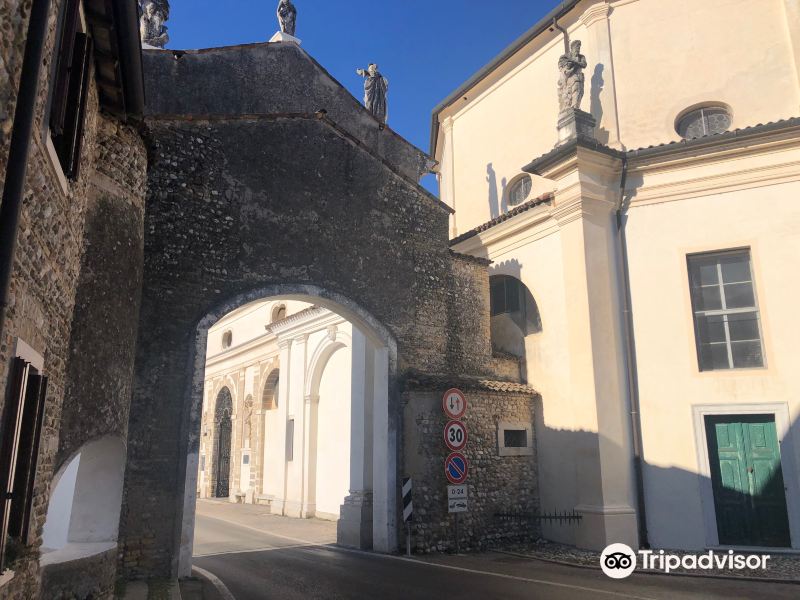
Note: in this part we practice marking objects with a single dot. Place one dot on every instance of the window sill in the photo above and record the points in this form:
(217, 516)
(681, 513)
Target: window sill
(6, 577)
(74, 551)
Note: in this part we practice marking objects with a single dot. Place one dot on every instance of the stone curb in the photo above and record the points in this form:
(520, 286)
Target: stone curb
(652, 572)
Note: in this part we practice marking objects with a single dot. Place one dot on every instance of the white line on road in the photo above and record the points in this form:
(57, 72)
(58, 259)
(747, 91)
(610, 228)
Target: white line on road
(307, 543)
(217, 582)
(265, 549)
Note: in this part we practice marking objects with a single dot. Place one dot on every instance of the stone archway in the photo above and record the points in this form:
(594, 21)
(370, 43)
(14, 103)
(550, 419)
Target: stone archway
(349, 227)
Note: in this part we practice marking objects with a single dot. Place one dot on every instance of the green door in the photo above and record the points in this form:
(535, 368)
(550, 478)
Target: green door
(746, 476)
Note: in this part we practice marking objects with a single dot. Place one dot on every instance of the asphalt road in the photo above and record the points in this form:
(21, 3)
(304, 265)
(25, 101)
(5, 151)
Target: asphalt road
(267, 557)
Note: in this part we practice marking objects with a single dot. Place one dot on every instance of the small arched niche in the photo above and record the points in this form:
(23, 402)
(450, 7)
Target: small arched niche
(514, 314)
(84, 508)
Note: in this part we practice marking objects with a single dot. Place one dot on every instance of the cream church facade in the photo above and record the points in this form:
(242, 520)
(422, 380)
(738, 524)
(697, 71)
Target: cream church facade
(277, 408)
(644, 271)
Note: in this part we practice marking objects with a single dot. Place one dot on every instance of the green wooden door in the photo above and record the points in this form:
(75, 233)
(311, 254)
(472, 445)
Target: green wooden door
(746, 476)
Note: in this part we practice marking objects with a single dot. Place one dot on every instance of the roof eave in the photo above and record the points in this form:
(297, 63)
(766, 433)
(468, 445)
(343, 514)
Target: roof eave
(540, 27)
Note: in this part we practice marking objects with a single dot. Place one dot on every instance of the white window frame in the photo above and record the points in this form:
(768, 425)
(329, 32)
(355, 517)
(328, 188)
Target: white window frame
(504, 450)
(725, 311)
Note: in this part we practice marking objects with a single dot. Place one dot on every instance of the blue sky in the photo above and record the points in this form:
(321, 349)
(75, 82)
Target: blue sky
(425, 49)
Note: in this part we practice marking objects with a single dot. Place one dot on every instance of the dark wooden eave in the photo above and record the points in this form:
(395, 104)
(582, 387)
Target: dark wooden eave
(114, 27)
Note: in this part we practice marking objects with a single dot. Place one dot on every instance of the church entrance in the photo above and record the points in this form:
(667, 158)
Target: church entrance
(222, 419)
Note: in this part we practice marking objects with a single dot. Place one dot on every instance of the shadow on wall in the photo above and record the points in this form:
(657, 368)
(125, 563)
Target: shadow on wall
(595, 106)
(746, 501)
(498, 203)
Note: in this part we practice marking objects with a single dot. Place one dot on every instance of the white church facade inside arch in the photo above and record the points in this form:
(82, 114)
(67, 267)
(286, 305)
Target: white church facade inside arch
(283, 382)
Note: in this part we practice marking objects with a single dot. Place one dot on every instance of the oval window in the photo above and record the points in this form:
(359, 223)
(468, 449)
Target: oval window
(520, 190)
(227, 339)
(700, 122)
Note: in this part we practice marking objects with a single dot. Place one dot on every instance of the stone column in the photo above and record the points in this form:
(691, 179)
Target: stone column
(295, 473)
(285, 346)
(354, 527)
(585, 203)
(600, 80)
(310, 420)
(384, 471)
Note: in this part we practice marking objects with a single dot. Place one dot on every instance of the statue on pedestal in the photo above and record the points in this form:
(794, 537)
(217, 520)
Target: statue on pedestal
(287, 17)
(572, 82)
(376, 87)
(152, 16)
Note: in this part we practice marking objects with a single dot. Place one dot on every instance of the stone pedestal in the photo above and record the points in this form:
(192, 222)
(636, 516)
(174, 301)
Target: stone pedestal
(573, 123)
(284, 37)
(354, 528)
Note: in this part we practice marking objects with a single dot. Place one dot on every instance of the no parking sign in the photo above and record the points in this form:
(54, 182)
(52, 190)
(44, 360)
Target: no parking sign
(455, 468)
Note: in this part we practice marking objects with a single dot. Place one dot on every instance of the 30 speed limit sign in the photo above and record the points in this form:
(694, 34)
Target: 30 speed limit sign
(455, 435)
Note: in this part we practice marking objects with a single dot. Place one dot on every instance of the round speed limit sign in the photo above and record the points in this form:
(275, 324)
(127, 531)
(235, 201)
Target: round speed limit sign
(455, 435)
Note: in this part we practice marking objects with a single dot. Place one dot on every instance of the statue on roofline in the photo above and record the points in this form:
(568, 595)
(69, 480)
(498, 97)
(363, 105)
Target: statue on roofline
(376, 88)
(572, 82)
(152, 16)
(287, 17)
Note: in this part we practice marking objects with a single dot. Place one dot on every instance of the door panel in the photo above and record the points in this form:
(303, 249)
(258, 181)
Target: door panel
(747, 480)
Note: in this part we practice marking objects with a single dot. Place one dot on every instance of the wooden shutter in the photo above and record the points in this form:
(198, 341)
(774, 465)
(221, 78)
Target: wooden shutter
(11, 423)
(68, 143)
(27, 457)
(64, 66)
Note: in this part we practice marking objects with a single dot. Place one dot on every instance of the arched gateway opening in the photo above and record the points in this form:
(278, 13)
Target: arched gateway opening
(319, 444)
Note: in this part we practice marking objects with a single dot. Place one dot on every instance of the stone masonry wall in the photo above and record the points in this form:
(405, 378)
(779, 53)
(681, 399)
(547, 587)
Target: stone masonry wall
(496, 483)
(50, 248)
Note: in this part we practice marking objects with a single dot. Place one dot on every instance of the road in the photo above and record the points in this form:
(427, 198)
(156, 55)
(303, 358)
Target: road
(260, 556)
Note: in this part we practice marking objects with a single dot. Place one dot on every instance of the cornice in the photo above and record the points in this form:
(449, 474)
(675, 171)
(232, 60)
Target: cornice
(595, 13)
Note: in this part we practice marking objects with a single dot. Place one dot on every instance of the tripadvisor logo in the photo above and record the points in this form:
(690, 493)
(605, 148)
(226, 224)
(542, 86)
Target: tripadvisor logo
(619, 561)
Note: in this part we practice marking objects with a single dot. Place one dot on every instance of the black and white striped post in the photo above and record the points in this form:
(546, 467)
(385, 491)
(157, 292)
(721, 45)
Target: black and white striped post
(408, 512)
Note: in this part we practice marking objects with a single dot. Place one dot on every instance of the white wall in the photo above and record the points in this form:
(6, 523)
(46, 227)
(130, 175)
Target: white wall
(59, 511)
(333, 434)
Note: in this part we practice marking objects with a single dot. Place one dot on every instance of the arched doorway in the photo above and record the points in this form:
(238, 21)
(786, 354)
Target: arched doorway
(223, 426)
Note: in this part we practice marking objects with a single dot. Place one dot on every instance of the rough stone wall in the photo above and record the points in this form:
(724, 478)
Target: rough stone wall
(51, 243)
(264, 79)
(88, 578)
(100, 369)
(47, 263)
(14, 15)
(496, 483)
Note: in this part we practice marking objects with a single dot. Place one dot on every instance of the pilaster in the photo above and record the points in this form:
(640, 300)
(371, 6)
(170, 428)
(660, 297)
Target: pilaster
(601, 80)
(285, 348)
(587, 179)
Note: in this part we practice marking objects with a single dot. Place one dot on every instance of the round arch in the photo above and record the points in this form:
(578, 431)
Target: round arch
(385, 426)
(319, 359)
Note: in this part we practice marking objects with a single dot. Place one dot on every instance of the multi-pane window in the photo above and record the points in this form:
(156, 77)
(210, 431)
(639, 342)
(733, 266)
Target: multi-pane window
(506, 295)
(704, 121)
(520, 190)
(726, 320)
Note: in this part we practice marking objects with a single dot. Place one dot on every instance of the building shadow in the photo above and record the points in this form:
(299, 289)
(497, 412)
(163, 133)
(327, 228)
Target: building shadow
(748, 505)
(596, 106)
(494, 200)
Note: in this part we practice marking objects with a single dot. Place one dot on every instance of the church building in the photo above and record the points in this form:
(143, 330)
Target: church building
(631, 168)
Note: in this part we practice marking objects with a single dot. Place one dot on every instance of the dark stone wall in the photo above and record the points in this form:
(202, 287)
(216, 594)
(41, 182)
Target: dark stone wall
(268, 79)
(497, 484)
(236, 205)
(106, 316)
(91, 578)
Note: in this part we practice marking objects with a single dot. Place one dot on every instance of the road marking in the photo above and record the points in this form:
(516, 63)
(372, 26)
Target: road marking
(266, 549)
(307, 543)
(217, 582)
